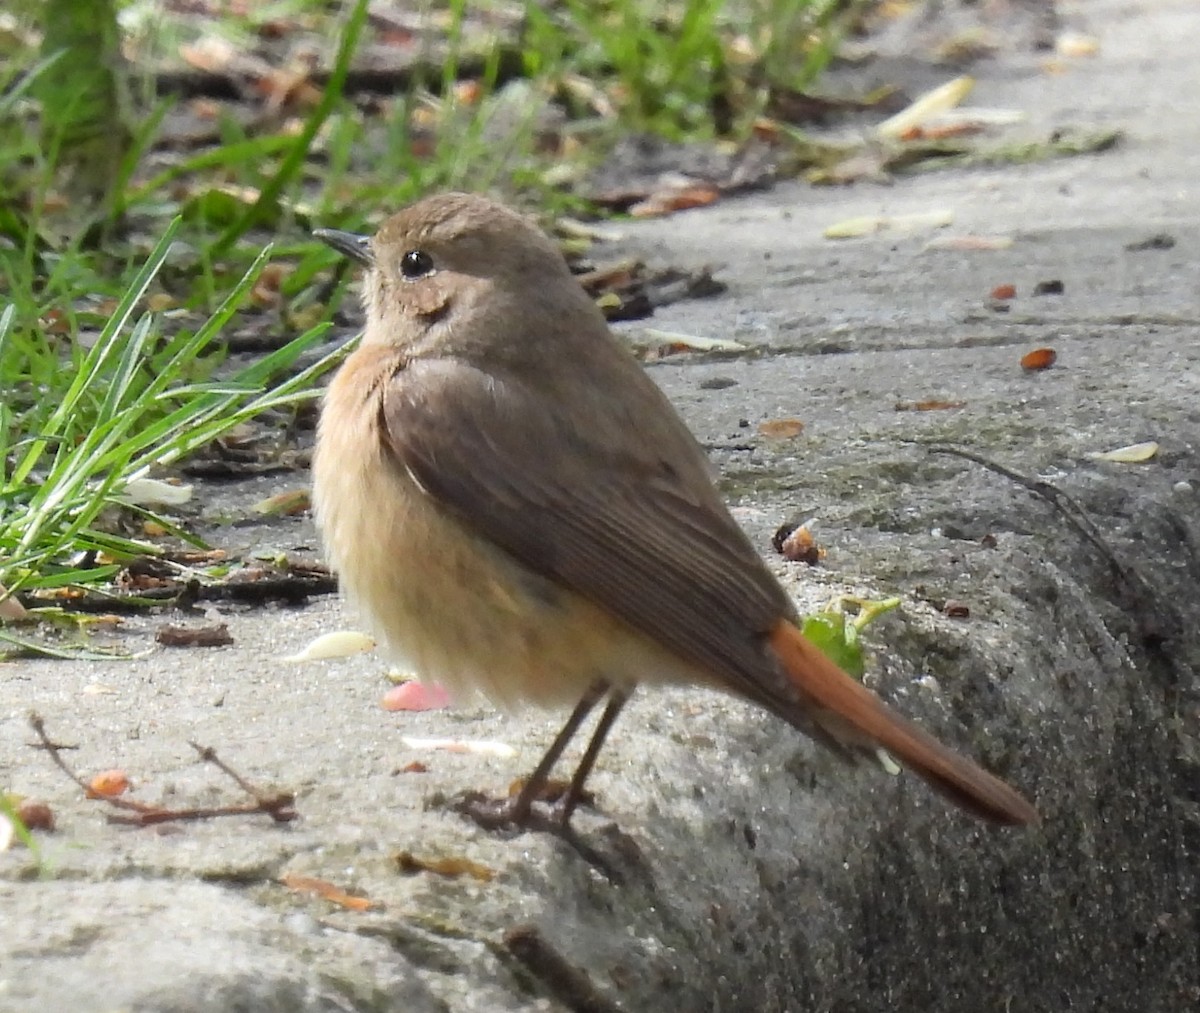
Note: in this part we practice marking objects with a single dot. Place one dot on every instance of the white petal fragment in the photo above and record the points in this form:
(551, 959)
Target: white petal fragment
(339, 644)
(480, 747)
(696, 341)
(944, 97)
(154, 492)
(1135, 453)
(866, 225)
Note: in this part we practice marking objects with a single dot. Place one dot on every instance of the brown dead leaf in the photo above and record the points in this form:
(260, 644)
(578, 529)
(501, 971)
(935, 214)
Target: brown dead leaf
(108, 784)
(10, 607)
(1038, 359)
(284, 504)
(212, 635)
(326, 891)
(35, 815)
(801, 547)
(288, 87)
(266, 291)
(781, 429)
(676, 198)
(55, 321)
(932, 405)
(413, 767)
(451, 867)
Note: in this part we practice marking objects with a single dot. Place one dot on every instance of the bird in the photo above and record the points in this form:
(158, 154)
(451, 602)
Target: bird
(518, 511)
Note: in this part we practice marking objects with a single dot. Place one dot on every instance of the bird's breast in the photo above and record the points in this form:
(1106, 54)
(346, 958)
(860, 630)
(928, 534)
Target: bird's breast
(444, 599)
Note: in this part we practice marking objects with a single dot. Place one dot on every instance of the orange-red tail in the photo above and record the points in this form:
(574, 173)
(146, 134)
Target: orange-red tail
(832, 691)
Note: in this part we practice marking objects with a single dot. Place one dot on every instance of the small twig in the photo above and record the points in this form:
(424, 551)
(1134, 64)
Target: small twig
(1151, 620)
(1070, 509)
(279, 806)
(268, 802)
(294, 589)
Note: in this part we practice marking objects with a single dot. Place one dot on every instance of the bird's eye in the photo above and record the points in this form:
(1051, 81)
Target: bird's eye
(416, 264)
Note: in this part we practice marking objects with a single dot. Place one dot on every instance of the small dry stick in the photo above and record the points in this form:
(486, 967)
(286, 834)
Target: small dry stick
(279, 806)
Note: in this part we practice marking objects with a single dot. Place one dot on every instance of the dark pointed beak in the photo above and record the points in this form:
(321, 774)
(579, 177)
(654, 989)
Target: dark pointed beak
(353, 245)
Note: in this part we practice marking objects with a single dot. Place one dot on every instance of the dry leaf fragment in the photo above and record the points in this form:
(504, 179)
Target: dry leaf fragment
(941, 132)
(781, 429)
(413, 767)
(928, 406)
(676, 341)
(154, 492)
(10, 607)
(160, 302)
(1158, 241)
(970, 243)
(284, 504)
(209, 53)
(1076, 44)
(108, 784)
(800, 546)
(267, 290)
(326, 891)
(212, 635)
(1038, 359)
(338, 644)
(1135, 453)
(675, 198)
(867, 225)
(480, 747)
(932, 103)
(451, 867)
(35, 815)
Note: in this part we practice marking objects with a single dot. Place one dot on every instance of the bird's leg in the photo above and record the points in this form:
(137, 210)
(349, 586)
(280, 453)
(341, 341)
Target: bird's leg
(574, 792)
(518, 811)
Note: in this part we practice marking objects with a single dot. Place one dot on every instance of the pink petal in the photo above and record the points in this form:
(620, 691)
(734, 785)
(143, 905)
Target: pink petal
(415, 696)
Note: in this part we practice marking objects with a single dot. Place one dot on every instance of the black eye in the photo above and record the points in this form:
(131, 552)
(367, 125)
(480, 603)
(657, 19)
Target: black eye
(416, 264)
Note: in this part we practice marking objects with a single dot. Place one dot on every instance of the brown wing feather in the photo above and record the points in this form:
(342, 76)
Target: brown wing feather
(617, 516)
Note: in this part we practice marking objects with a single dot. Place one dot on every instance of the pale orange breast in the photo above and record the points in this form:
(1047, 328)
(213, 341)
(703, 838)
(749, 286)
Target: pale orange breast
(443, 599)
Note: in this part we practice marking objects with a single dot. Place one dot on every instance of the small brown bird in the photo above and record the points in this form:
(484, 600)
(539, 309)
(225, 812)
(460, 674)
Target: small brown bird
(517, 509)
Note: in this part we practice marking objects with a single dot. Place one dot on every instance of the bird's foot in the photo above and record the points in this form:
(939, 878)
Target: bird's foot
(514, 815)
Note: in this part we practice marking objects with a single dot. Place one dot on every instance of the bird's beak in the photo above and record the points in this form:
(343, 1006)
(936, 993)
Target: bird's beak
(353, 245)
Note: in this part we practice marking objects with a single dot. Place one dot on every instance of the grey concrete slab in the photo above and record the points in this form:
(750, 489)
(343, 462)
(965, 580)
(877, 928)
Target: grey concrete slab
(759, 874)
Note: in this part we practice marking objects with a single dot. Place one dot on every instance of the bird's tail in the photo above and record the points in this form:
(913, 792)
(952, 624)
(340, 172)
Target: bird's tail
(853, 715)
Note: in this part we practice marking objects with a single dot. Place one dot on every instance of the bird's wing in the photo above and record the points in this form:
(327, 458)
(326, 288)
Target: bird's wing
(629, 519)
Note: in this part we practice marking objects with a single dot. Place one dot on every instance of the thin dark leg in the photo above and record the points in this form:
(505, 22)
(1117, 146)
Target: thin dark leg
(575, 791)
(493, 813)
(531, 790)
